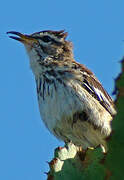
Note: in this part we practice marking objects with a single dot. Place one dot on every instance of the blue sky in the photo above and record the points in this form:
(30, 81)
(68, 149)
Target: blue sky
(97, 31)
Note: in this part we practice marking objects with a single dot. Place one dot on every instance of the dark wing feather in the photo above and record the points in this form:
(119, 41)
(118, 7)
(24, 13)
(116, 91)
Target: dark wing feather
(94, 87)
(96, 90)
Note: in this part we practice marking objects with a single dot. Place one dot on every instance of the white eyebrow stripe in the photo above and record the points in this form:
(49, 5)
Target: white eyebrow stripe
(51, 36)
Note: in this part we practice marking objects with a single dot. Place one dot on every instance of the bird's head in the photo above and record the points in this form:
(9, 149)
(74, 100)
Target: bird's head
(45, 44)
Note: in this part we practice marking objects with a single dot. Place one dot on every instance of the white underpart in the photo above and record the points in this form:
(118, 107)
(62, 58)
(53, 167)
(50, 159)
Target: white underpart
(33, 57)
(61, 103)
(64, 102)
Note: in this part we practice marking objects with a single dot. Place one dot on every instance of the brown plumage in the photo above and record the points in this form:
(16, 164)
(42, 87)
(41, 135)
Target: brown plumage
(73, 104)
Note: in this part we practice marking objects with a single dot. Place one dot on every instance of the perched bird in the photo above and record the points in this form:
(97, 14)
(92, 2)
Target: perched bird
(72, 102)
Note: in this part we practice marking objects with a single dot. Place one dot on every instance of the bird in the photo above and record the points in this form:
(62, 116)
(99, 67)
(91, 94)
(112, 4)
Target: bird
(73, 104)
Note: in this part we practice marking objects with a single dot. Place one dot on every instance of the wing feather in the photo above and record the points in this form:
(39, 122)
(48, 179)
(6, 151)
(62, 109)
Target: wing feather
(95, 88)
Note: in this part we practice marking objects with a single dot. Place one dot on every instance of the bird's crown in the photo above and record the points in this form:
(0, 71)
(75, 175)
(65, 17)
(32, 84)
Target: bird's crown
(56, 35)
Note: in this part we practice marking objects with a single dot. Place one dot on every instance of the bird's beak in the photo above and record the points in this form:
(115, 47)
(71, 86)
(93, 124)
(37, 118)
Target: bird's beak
(23, 38)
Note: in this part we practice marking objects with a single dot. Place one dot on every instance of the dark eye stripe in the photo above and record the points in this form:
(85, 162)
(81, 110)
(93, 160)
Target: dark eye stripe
(46, 39)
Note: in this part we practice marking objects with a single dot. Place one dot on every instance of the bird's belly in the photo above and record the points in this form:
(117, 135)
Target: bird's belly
(57, 104)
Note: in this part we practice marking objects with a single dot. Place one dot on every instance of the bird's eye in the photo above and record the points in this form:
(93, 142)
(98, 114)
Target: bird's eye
(46, 39)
